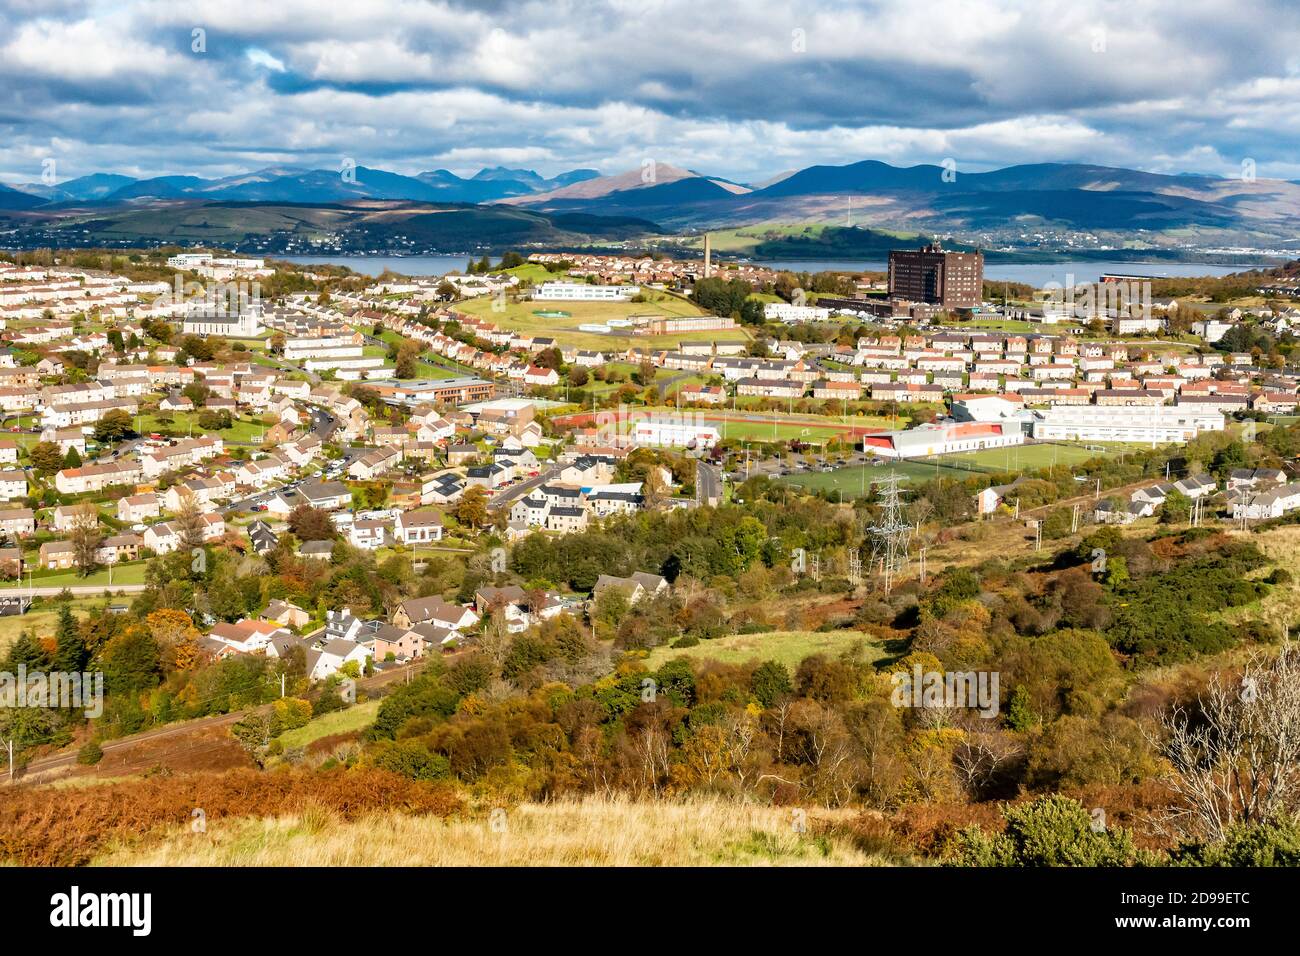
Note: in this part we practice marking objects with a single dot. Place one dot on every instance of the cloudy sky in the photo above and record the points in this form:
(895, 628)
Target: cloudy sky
(740, 89)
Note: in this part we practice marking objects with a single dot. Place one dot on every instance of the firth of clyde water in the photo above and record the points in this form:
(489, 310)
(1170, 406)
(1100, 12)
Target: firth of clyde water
(1036, 274)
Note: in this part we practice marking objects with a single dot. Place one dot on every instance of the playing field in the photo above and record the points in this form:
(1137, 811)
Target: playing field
(855, 481)
(520, 317)
(755, 426)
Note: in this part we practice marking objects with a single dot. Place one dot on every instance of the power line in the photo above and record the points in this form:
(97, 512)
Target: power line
(890, 536)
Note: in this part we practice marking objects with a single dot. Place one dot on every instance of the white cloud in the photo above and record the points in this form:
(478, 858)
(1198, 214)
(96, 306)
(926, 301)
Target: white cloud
(724, 88)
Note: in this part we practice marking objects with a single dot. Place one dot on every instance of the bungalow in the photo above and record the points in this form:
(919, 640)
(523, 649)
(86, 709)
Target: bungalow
(328, 660)
(441, 489)
(434, 610)
(262, 538)
(636, 586)
(703, 394)
(319, 550)
(519, 608)
(285, 613)
(326, 495)
(246, 636)
(541, 376)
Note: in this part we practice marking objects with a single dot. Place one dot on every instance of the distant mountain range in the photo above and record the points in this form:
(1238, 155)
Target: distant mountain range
(998, 206)
(293, 184)
(1046, 205)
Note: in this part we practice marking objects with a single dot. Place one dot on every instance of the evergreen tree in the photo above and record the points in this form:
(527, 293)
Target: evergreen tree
(70, 653)
(26, 651)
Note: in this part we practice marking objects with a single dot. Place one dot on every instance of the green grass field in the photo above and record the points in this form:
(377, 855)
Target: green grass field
(43, 618)
(854, 480)
(131, 572)
(786, 647)
(354, 718)
(431, 366)
(185, 424)
(533, 272)
(519, 317)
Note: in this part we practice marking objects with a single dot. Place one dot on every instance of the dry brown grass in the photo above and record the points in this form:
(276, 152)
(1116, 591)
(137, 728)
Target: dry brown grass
(593, 831)
(69, 826)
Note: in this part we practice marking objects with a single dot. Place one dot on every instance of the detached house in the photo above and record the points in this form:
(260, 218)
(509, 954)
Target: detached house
(436, 611)
(418, 527)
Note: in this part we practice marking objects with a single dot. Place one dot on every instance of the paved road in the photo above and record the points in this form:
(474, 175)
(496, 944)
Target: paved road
(508, 496)
(670, 382)
(323, 424)
(46, 764)
(708, 483)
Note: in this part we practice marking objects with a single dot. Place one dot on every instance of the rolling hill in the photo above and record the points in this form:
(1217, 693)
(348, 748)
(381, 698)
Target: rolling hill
(1002, 203)
(357, 225)
(1052, 204)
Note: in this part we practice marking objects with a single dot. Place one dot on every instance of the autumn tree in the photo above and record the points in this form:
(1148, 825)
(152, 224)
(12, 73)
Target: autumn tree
(113, 426)
(311, 524)
(472, 510)
(190, 524)
(407, 360)
(46, 457)
(85, 538)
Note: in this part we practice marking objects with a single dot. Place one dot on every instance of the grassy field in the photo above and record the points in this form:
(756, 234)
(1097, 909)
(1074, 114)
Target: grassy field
(131, 572)
(519, 317)
(431, 366)
(595, 831)
(1032, 457)
(787, 647)
(185, 423)
(42, 620)
(758, 431)
(533, 272)
(854, 480)
(354, 718)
